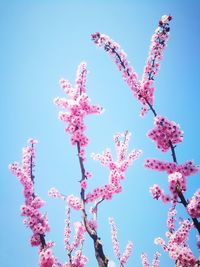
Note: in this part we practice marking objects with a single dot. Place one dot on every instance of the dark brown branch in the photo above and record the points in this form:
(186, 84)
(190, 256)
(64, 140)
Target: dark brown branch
(42, 240)
(151, 107)
(173, 151)
(31, 166)
(99, 254)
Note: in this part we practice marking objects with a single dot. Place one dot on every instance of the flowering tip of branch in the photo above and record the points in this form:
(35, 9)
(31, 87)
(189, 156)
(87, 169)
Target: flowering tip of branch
(166, 18)
(78, 107)
(54, 193)
(32, 141)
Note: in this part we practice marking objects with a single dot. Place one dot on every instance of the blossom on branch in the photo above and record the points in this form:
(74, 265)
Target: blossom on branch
(186, 169)
(165, 133)
(78, 106)
(117, 168)
(143, 90)
(193, 206)
(36, 221)
(155, 261)
(124, 257)
(177, 246)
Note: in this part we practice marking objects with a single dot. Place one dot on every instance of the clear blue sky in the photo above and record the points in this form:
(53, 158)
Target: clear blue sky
(42, 41)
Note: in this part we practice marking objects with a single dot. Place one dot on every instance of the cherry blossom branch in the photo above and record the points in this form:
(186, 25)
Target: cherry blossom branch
(78, 107)
(143, 89)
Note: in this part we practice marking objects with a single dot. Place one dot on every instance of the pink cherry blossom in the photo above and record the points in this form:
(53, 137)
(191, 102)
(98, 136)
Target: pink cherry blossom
(171, 220)
(177, 183)
(177, 246)
(115, 241)
(127, 253)
(78, 107)
(46, 258)
(155, 261)
(144, 259)
(158, 45)
(186, 169)
(158, 193)
(54, 193)
(124, 257)
(116, 167)
(74, 202)
(79, 259)
(35, 220)
(142, 90)
(193, 206)
(165, 133)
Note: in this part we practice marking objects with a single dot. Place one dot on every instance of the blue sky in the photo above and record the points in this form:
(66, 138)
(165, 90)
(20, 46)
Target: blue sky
(42, 42)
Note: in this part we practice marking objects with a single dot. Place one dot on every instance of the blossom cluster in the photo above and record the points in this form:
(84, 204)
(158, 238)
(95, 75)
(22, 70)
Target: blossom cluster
(165, 133)
(35, 220)
(47, 259)
(54, 193)
(193, 206)
(78, 106)
(177, 246)
(115, 241)
(177, 183)
(155, 261)
(157, 47)
(78, 259)
(177, 179)
(171, 220)
(142, 90)
(124, 257)
(158, 193)
(117, 168)
(186, 169)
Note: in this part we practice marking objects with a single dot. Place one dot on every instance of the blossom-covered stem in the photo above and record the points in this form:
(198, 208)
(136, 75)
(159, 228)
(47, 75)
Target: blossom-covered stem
(152, 66)
(180, 194)
(185, 203)
(42, 236)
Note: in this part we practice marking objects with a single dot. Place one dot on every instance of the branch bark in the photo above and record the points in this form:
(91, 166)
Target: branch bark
(98, 247)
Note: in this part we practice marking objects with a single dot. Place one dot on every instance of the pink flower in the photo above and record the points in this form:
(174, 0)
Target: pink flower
(165, 133)
(117, 168)
(124, 257)
(46, 258)
(144, 260)
(177, 246)
(143, 90)
(193, 206)
(78, 107)
(186, 169)
(35, 220)
(74, 202)
(54, 193)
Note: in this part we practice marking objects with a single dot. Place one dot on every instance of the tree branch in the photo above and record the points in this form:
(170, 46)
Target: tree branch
(98, 247)
(172, 147)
